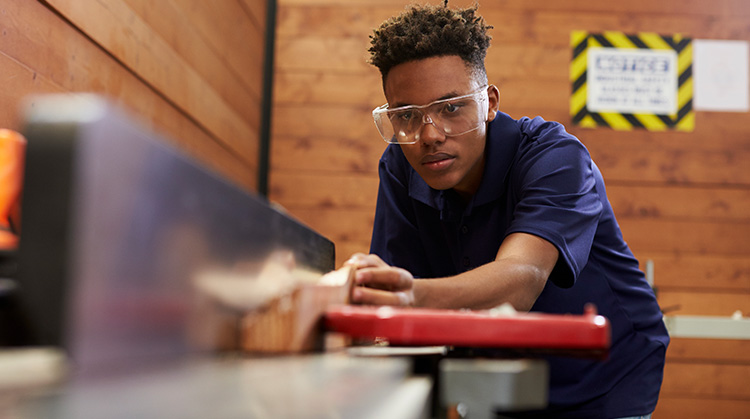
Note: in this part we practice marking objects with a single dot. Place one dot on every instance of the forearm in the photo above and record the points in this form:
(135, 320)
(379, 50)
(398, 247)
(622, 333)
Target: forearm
(516, 276)
(498, 282)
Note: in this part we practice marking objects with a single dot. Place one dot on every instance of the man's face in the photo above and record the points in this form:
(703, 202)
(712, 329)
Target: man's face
(444, 162)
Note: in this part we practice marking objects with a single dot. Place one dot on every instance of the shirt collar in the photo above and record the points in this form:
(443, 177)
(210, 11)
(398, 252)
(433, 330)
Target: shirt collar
(503, 141)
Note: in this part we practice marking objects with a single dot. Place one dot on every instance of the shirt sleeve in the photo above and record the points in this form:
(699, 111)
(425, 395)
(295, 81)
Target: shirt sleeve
(555, 183)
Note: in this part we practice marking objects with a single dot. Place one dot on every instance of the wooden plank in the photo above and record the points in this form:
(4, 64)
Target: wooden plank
(323, 191)
(332, 121)
(689, 271)
(257, 10)
(361, 3)
(548, 25)
(332, 21)
(361, 89)
(19, 82)
(671, 407)
(521, 26)
(727, 167)
(666, 202)
(320, 53)
(706, 380)
(316, 154)
(709, 350)
(173, 24)
(703, 303)
(338, 225)
(51, 51)
(121, 32)
(686, 236)
(717, 8)
(713, 131)
(235, 29)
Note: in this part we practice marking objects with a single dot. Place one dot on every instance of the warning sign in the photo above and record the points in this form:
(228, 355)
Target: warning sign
(631, 81)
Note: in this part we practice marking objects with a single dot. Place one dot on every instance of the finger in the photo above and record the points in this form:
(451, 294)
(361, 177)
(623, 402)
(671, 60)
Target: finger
(389, 278)
(354, 259)
(370, 296)
(361, 260)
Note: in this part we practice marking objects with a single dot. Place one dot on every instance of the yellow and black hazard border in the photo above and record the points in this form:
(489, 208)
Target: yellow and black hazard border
(581, 41)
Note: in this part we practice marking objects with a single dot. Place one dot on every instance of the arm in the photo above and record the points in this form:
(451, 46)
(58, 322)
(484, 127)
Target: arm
(516, 276)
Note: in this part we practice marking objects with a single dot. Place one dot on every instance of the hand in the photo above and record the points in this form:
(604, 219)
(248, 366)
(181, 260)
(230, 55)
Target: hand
(379, 283)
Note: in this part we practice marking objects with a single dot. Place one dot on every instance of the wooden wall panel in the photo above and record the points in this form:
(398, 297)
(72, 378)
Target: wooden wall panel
(235, 30)
(123, 33)
(699, 272)
(322, 66)
(189, 28)
(682, 199)
(315, 154)
(706, 380)
(709, 350)
(695, 407)
(320, 190)
(169, 63)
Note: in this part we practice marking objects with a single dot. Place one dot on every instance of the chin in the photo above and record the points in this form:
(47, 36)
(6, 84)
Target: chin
(440, 184)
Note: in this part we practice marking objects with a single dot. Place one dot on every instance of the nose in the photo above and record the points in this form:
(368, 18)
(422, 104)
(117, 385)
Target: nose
(429, 132)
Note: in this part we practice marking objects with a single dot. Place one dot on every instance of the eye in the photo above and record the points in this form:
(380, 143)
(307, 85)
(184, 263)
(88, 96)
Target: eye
(402, 116)
(449, 107)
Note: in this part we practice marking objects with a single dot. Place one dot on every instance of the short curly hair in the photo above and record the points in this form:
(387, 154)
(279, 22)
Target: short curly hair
(430, 31)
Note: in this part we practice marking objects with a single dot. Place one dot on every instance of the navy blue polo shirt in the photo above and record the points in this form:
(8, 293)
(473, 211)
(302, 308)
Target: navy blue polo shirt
(538, 179)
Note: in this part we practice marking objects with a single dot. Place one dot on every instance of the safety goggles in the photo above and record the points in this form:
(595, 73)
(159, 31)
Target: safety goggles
(453, 116)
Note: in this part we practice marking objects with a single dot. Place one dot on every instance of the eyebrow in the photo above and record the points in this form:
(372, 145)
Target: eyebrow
(446, 96)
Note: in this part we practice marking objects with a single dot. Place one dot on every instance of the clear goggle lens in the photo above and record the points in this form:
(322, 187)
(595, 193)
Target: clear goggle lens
(453, 116)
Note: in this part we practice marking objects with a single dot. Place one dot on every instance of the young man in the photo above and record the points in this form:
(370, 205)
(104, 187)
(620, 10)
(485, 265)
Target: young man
(484, 209)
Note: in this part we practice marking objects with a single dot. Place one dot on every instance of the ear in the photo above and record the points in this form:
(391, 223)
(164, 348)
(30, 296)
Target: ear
(493, 95)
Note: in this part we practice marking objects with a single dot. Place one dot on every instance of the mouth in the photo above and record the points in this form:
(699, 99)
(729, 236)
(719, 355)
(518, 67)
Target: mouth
(437, 161)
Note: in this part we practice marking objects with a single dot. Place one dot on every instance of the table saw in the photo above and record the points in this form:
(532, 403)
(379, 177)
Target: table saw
(155, 288)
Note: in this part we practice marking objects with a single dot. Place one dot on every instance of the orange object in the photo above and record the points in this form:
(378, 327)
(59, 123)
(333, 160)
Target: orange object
(12, 149)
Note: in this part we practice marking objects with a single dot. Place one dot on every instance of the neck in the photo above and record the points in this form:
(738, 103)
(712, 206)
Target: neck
(473, 179)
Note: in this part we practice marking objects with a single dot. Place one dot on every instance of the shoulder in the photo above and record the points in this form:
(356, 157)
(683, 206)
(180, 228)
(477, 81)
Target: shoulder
(539, 136)
(530, 132)
(547, 153)
(539, 129)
